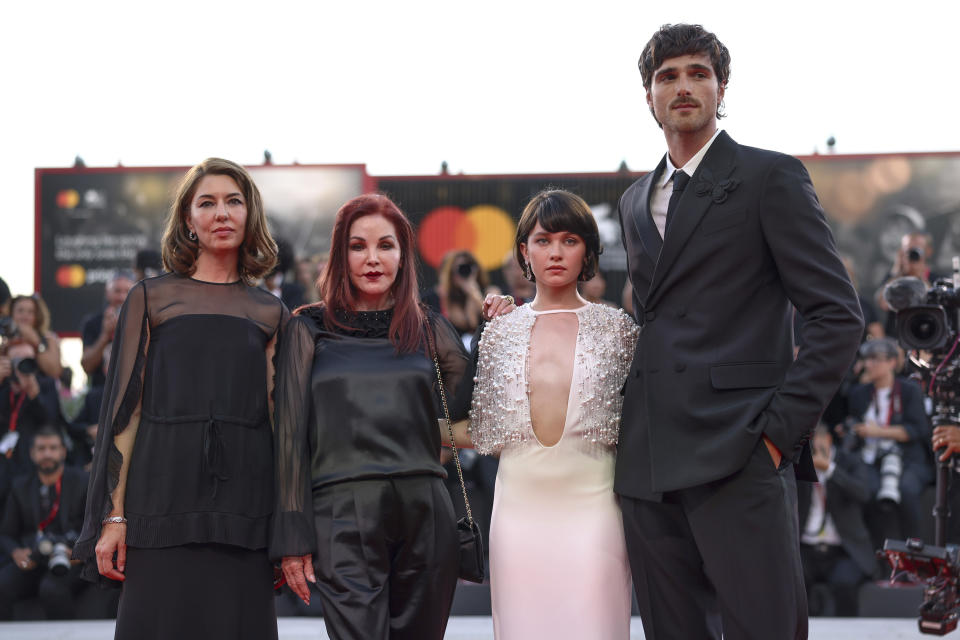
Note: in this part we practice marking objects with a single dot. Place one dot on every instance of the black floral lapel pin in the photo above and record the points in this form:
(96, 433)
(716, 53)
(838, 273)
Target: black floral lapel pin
(718, 191)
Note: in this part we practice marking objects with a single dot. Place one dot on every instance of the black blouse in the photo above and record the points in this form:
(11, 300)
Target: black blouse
(192, 355)
(350, 407)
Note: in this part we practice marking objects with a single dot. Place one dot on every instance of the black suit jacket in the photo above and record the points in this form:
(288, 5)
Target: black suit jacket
(22, 512)
(714, 366)
(848, 489)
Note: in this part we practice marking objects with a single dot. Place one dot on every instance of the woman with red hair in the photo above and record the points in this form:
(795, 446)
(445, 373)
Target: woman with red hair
(362, 510)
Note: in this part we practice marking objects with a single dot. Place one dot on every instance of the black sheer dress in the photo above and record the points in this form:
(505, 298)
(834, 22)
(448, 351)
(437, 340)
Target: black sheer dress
(189, 378)
(359, 479)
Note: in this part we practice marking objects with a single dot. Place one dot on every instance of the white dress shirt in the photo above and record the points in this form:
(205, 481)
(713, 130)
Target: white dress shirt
(660, 196)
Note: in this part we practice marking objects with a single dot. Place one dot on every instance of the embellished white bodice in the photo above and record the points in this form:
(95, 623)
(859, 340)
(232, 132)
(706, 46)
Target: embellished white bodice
(500, 414)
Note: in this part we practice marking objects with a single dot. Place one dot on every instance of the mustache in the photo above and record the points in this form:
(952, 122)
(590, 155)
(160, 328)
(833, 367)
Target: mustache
(684, 101)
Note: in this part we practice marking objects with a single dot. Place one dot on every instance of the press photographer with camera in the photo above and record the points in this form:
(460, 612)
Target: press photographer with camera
(835, 545)
(28, 400)
(31, 325)
(892, 436)
(912, 260)
(43, 515)
(462, 285)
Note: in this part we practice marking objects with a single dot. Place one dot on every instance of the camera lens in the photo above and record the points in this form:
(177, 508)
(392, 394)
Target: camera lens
(922, 328)
(27, 366)
(465, 269)
(914, 254)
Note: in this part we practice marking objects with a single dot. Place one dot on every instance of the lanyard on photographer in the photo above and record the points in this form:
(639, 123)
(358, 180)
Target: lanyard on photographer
(16, 402)
(54, 509)
(896, 403)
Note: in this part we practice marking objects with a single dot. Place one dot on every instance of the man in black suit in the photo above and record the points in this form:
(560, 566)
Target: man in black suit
(48, 504)
(717, 411)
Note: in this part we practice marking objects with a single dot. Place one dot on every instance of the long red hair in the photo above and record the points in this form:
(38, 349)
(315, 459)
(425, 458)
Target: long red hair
(337, 292)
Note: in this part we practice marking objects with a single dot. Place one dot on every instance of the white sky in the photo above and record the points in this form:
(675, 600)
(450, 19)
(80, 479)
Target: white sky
(491, 87)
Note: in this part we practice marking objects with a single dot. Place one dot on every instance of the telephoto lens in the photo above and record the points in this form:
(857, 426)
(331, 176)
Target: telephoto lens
(891, 468)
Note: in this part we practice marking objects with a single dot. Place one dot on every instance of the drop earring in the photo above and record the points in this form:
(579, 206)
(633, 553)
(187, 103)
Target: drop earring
(192, 235)
(527, 272)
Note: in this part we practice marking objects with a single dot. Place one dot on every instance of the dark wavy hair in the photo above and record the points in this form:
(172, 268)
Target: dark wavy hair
(673, 40)
(559, 210)
(258, 253)
(337, 292)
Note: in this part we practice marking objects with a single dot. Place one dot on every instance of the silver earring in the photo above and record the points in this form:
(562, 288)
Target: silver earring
(527, 272)
(192, 235)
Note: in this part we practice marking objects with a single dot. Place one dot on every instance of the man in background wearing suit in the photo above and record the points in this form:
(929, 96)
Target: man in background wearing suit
(42, 510)
(717, 412)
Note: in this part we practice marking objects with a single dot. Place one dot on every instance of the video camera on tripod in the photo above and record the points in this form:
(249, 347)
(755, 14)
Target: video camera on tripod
(928, 325)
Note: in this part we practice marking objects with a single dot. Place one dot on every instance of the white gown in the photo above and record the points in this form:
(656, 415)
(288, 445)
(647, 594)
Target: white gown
(558, 561)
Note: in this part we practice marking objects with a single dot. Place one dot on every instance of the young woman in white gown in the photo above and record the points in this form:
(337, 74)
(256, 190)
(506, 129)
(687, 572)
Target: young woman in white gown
(547, 400)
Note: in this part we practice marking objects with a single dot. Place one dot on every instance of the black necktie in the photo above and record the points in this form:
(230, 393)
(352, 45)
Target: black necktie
(680, 180)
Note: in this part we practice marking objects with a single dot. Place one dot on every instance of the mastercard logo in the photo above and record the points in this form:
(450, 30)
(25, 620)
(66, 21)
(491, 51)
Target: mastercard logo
(68, 198)
(486, 231)
(71, 276)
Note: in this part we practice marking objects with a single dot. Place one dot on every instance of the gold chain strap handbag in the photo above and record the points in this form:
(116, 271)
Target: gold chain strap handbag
(468, 533)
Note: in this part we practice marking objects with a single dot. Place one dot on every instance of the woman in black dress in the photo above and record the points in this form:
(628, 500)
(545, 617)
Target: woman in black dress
(362, 509)
(181, 487)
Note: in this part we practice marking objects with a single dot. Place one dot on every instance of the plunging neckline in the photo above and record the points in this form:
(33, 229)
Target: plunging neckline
(573, 373)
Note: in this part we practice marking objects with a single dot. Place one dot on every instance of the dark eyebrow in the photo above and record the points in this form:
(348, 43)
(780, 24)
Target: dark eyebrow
(229, 195)
(696, 66)
(364, 239)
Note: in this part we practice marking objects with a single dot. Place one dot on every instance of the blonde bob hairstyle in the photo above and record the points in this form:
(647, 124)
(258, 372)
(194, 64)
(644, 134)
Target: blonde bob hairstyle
(258, 253)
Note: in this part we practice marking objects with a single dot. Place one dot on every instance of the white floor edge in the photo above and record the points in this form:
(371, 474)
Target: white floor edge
(460, 628)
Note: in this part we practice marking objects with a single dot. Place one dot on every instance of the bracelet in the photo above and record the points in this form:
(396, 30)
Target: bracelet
(115, 520)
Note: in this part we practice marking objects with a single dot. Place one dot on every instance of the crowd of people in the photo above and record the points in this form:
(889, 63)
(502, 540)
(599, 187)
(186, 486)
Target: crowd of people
(253, 417)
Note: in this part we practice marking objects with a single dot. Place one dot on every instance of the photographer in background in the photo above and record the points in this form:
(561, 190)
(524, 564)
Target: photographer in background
(892, 435)
(835, 544)
(42, 518)
(31, 325)
(916, 250)
(97, 331)
(28, 400)
(462, 285)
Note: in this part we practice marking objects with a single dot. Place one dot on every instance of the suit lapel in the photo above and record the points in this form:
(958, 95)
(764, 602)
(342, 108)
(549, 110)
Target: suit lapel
(643, 222)
(716, 165)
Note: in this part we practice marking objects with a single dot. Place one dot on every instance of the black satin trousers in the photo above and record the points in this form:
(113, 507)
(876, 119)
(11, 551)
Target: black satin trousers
(387, 558)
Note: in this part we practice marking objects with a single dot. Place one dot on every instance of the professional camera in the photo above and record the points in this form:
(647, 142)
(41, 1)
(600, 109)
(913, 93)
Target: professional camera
(56, 549)
(466, 269)
(927, 326)
(914, 254)
(927, 320)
